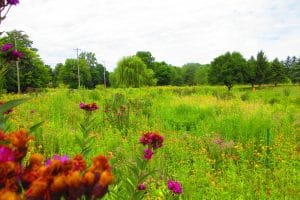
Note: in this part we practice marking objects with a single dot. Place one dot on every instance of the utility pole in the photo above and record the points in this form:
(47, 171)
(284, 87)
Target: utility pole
(104, 77)
(17, 65)
(78, 71)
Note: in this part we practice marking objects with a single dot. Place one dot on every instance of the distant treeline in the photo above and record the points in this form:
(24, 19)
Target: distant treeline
(140, 70)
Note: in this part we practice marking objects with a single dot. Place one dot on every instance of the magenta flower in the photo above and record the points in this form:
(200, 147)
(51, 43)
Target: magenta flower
(6, 154)
(6, 47)
(174, 187)
(153, 140)
(148, 154)
(88, 107)
(13, 2)
(62, 159)
(16, 55)
(142, 186)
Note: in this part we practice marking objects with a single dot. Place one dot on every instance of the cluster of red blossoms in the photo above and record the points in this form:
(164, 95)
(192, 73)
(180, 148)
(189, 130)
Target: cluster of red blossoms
(88, 107)
(48, 179)
(153, 141)
(11, 53)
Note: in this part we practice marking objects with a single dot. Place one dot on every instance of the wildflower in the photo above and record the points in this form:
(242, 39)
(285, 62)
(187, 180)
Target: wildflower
(62, 159)
(6, 154)
(16, 55)
(153, 140)
(148, 154)
(19, 140)
(174, 187)
(88, 107)
(6, 47)
(141, 186)
(7, 194)
(78, 163)
(13, 2)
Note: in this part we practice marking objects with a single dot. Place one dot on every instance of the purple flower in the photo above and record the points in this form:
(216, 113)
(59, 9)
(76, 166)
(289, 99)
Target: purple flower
(62, 159)
(88, 107)
(141, 186)
(148, 154)
(6, 154)
(13, 2)
(152, 139)
(16, 55)
(174, 187)
(6, 47)
(81, 105)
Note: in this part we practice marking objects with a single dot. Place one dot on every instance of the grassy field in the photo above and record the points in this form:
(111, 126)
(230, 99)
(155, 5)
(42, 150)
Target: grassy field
(218, 145)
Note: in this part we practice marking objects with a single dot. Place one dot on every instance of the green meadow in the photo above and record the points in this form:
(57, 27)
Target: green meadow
(241, 144)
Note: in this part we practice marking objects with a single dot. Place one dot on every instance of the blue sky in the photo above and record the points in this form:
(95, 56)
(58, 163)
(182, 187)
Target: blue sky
(175, 31)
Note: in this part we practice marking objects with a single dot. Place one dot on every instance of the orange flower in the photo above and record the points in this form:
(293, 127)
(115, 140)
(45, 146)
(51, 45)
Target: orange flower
(19, 138)
(32, 172)
(73, 180)
(88, 178)
(8, 195)
(78, 163)
(100, 164)
(36, 160)
(9, 172)
(58, 184)
(106, 178)
(37, 189)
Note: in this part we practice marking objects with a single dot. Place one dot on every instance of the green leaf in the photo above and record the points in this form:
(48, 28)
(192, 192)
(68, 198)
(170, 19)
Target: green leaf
(35, 127)
(11, 104)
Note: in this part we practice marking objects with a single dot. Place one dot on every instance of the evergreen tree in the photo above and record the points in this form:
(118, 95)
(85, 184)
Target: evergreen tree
(262, 68)
(277, 74)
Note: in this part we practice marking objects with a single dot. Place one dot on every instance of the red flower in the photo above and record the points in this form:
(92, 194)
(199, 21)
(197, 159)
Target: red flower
(152, 139)
(88, 107)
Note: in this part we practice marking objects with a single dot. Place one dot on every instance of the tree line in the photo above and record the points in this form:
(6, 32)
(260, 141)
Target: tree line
(140, 70)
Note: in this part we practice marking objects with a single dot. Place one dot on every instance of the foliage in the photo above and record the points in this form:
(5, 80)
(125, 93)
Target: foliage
(68, 73)
(205, 169)
(227, 69)
(262, 68)
(55, 178)
(277, 72)
(132, 72)
(147, 58)
(33, 72)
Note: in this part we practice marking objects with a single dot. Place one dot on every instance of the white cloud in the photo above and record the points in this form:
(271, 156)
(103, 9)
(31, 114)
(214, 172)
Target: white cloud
(176, 31)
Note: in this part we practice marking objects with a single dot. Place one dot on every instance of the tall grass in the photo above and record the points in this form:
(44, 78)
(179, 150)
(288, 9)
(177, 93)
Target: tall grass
(216, 143)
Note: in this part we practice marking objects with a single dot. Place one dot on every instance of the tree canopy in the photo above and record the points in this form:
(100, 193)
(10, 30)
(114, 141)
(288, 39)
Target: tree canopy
(131, 71)
(227, 69)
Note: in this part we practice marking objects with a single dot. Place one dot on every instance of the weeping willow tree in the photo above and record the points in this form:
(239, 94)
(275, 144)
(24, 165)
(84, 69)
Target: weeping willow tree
(131, 71)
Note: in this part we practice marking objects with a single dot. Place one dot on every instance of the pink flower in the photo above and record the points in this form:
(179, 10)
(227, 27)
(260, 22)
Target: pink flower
(6, 154)
(88, 107)
(16, 55)
(6, 47)
(174, 187)
(153, 140)
(148, 154)
(141, 186)
(62, 159)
